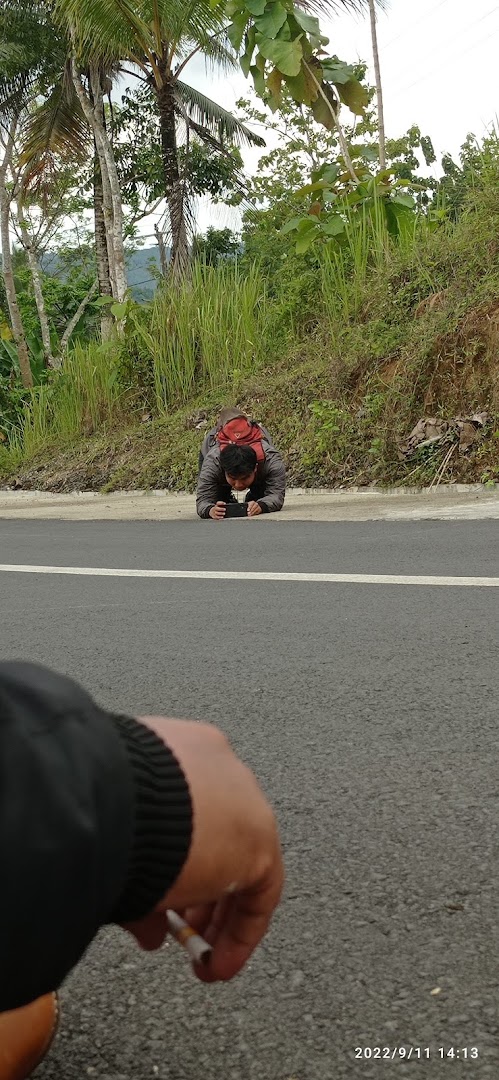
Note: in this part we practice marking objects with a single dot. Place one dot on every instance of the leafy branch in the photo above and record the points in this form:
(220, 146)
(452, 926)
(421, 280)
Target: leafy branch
(281, 46)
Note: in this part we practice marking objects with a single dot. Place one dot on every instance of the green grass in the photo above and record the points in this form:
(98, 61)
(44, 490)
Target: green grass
(207, 330)
(78, 399)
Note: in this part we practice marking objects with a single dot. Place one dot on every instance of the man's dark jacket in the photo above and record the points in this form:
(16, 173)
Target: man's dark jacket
(95, 826)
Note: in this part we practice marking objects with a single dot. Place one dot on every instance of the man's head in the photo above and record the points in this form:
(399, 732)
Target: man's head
(239, 465)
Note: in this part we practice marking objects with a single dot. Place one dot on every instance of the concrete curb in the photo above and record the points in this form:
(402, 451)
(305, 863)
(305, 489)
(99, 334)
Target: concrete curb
(454, 503)
(442, 489)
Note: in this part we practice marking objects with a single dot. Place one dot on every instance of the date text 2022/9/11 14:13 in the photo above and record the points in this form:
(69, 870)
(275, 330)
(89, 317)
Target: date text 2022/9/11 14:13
(421, 1053)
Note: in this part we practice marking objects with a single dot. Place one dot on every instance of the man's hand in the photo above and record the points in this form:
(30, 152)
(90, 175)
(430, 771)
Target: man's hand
(232, 879)
(254, 508)
(217, 511)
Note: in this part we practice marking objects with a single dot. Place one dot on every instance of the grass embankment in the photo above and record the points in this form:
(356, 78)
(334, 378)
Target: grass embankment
(339, 357)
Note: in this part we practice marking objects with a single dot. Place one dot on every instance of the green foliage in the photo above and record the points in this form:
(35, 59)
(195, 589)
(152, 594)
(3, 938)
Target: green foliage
(12, 397)
(172, 112)
(312, 199)
(69, 275)
(33, 53)
(9, 362)
(282, 47)
(290, 279)
(403, 157)
(302, 146)
(219, 176)
(331, 434)
(476, 162)
(208, 163)
(216, 246)
(375, 204)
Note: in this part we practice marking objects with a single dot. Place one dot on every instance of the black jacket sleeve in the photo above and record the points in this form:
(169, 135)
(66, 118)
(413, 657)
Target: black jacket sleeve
(95, 826)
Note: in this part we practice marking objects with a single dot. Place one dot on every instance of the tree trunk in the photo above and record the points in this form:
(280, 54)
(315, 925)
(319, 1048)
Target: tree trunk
(379, 90)
(101, 251)
(36, 278)
(8, 275)
(174, 188)
(109, 174)
(110, 180)
(108, 219)
(163, 260)
(74, 320)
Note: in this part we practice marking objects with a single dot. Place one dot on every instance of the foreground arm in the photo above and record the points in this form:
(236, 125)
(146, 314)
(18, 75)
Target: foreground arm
(107, 819)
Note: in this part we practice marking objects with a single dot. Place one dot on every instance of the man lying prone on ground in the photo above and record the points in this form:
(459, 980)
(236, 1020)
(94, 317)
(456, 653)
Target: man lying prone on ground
(237, 455)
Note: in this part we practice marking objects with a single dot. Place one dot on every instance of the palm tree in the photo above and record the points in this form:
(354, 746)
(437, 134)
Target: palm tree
(159, 39)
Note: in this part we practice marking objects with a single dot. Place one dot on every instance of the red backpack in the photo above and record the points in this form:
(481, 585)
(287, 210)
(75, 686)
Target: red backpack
(242, 432)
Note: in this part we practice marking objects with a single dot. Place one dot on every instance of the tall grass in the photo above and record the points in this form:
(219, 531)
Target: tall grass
(80, 398)
(205, 330)
(208, 329)
(365, 245)
(344, 267)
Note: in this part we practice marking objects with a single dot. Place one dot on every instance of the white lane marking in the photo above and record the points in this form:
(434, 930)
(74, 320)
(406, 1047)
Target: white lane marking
(256, 575)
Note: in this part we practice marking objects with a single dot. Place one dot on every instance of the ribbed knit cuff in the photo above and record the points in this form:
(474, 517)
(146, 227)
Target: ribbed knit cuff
(163, 820)
(263, 506)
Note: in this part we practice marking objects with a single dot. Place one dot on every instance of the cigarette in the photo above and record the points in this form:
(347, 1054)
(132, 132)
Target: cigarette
(197, 948)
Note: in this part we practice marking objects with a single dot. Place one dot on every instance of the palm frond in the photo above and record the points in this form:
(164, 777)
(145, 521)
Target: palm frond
(56, 130)
(206, 137)
(13, 93)
(217, 52)
(104, 29)
(32, 50)
(126, 29)
(11, 54)
(212, 143)
(190, 20)
(216, 121)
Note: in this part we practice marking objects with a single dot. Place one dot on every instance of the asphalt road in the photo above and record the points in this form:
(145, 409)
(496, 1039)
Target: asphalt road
(370, 714)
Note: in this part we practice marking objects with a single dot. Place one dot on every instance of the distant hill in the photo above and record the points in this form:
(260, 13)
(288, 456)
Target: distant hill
(140, 270)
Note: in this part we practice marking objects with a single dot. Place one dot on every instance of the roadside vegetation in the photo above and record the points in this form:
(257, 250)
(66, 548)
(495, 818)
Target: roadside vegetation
(356, 301)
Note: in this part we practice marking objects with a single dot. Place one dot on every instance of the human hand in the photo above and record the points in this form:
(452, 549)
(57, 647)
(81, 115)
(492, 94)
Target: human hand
(254, 508)
(232, 879)
(217, 511)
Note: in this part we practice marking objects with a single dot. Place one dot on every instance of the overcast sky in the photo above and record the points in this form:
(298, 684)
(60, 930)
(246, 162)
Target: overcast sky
(439, 67)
